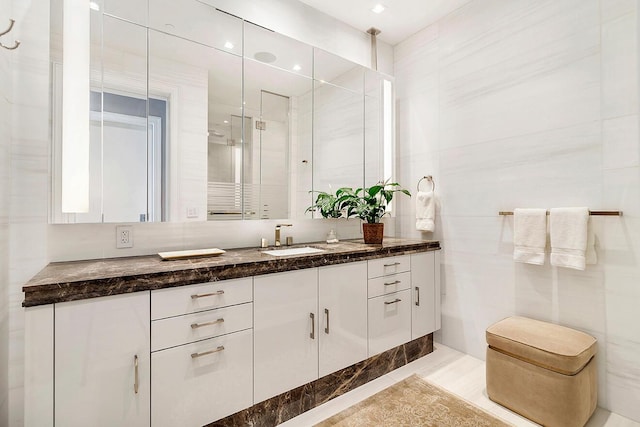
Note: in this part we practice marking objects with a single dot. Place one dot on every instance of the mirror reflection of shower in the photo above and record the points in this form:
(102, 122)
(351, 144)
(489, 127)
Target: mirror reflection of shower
(248, 165)
(225, 168)
(272, 179)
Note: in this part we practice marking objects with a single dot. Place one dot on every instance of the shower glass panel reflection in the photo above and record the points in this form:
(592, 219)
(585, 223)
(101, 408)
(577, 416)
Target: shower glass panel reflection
(272, 176)
(225, 168)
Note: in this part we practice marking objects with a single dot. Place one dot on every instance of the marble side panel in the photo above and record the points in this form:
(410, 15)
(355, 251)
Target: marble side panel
(620, 148)
(287, 405)
(529, 104)
(619, 68)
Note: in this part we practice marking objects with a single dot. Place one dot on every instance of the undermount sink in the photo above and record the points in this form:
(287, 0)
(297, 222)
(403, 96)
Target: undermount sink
(293, 251)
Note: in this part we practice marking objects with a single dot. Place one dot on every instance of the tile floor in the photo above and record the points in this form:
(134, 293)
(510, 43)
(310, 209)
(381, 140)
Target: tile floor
(457, 372)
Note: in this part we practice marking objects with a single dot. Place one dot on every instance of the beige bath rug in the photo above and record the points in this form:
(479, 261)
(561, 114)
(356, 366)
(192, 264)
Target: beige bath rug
(411, 403)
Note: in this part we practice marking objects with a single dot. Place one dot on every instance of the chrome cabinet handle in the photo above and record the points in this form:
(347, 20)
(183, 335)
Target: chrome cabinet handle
(200, 325)
(393, 283)
(326, 311)
(204, 353)
(312, 335)
(418, 296)
(136, 378)
(212, 294)
(391, 265)
(392, 302)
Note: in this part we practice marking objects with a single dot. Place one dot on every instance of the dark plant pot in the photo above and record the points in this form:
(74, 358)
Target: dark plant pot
(373, 232)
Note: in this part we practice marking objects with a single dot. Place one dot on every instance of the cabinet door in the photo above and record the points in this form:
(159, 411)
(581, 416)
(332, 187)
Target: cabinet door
(102, 362)
(389, 321)
(423, 288)
(285, 331)
(342, 307)
(196, 384)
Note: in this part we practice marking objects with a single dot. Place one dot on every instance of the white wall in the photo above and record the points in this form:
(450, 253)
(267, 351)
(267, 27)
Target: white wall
(29, 177)
(5, 191)
(529, 104)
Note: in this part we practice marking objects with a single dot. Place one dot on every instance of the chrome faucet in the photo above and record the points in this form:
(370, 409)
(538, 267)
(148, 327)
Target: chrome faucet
(277, 243)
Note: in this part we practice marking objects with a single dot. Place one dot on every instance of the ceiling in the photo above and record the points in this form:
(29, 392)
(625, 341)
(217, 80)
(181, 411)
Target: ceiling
(399, 20)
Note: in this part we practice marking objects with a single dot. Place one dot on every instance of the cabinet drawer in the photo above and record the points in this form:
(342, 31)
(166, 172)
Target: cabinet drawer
(179, 330)
(388, 284)
(201, 297)
(391, 265)
(192, 390)
(389, 321)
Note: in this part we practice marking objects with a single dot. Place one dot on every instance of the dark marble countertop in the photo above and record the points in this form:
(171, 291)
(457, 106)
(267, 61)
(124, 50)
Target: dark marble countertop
(77, 280)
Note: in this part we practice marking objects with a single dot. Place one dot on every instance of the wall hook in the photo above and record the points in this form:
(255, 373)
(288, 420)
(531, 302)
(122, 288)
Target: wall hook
(15, 46)
(15, 43)
(11, 22)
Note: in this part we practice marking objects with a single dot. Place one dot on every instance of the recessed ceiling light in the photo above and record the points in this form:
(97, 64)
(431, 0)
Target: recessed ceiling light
(378, 8)
(266, 57)
(297, 67)
(226, 121)
(94, 5)
(228, 45)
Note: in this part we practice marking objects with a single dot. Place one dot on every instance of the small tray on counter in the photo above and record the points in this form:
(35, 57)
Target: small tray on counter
(190, 253)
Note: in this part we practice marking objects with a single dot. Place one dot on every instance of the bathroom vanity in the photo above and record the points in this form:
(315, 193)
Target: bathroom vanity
(241, 338)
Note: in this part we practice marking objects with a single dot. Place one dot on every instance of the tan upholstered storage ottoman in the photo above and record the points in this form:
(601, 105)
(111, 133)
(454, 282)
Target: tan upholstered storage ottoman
(542, 371)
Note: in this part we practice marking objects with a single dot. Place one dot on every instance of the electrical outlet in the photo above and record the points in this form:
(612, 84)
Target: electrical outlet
(192, 212)
(124, 236)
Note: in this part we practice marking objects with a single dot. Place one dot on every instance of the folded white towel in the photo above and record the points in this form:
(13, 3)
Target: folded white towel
(568, 228)
(425, 211)
(529, 235)
(590, 256)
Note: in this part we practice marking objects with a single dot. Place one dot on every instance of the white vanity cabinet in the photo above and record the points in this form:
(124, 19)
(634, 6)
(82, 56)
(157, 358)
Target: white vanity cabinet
(389, 312)
(202, 353)
(389, 321)
(342, 308)
(425, 288)
(102, 362)
(194, 354)
(285, 331)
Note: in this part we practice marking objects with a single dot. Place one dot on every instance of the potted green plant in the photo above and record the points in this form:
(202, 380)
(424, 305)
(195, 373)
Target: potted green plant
(370, 205)
(326, 204)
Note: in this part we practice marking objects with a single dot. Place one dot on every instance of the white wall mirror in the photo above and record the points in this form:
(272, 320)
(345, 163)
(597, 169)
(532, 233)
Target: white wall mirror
(197, 115)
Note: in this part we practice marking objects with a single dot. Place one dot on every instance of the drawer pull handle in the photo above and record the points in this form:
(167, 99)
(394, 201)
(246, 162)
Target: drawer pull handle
(200, 325)
(212, 294)
(204, 353)
(392, 302)
(312, 335)
(136, 378)
(392, 264)
(326, 311)
(418, 296)
(392, 283)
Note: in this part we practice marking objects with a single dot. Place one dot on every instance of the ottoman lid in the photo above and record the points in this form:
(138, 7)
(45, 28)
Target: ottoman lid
(558, 348)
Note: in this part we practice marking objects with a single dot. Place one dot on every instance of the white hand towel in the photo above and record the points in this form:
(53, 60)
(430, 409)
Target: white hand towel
(529, 235)
(425, 211)
(568, 228)
(590, 255)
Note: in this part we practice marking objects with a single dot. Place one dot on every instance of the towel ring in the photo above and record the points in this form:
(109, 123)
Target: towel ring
(428, 178)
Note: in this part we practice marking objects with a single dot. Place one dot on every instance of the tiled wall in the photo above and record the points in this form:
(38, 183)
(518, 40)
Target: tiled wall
(29, 177)
(530, 104)
(5, 188)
